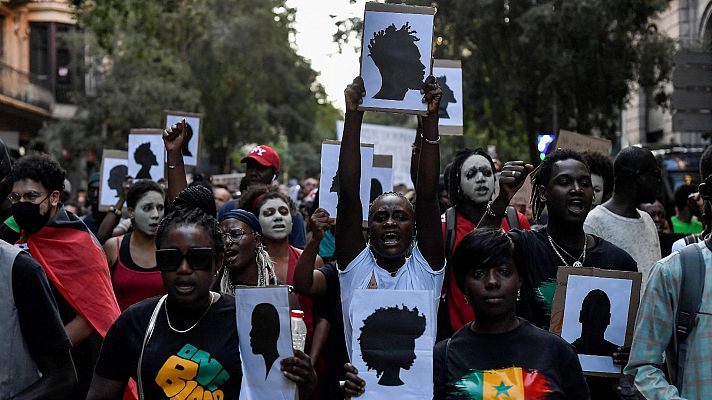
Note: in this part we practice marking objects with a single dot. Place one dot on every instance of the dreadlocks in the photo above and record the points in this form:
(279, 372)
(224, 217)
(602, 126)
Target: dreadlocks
(453, 181)
(542, 175)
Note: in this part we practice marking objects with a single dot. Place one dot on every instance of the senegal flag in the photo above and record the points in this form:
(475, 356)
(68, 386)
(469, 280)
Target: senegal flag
(510, 383)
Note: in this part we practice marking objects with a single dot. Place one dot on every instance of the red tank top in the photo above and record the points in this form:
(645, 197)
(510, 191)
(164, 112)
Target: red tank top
(131, 282)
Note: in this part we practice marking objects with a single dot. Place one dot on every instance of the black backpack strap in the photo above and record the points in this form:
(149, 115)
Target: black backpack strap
(450, 231)
(690, 239)
(692, 284)
(512, 217)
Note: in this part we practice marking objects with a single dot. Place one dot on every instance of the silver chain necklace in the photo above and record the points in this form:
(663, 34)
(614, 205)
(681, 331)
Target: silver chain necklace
(196, 322)
(578, 263)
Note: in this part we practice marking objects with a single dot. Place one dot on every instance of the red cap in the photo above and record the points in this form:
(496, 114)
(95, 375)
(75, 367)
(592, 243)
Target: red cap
(297, 313)
(264, 155)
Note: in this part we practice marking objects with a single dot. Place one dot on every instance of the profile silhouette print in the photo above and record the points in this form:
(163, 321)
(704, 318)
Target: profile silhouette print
(447, 97)
(145, 157)
(387, 342)
(376, 189)
(186, 143)
(265, 333)
(335, 183)
(595, 316)
(397, 58)
(117, 175)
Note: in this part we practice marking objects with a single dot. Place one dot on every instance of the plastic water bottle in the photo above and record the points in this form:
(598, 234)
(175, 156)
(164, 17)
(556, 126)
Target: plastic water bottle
(299, 330)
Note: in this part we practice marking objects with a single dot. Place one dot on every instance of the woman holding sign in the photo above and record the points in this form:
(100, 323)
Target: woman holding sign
(396, 255)
(184, 344)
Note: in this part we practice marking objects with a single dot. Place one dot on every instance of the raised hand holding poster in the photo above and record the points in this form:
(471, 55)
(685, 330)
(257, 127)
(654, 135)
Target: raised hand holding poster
(392, 342)
(114, 168)
(147, 154)
(449, 76)
(396, 56)
(263, 327)
(191, 145)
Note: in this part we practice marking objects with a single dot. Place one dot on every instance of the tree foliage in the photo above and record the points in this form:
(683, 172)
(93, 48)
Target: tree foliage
(535, 66)
(232, 61)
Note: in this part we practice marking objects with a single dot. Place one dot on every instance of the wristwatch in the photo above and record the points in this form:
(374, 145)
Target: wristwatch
(115, 211)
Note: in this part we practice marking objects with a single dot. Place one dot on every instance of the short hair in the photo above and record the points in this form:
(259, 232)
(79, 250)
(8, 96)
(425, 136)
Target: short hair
(594, 299)
(253, 199)
(542, 175)
(483, 247)
(139, 188)
(390, 194)
(385, 40)
(455, 171)
(387, 337)
(629, 160)
(600, 164)
(681, 195)
(194, 205)
(39, 168)
(706, 163)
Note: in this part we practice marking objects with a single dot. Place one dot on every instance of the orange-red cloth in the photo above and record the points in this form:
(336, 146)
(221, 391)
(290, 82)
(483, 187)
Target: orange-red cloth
(75, 263)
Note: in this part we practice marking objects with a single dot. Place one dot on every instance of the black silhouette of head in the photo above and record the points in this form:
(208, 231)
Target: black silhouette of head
(398, 60)
(376, 189)
(186, 142)
(145, 157)
(595, 316)
(265, 333)
(447, 97)
(388, 342)
(117, 175)
(335, 183)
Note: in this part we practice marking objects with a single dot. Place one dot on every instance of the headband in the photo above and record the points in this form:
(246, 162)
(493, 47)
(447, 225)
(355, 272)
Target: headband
(244, 216)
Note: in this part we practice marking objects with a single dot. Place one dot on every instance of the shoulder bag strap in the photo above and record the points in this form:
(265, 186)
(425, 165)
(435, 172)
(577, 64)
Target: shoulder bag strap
(146, 338)
(450, 231)
(692, 284)
(512, 217)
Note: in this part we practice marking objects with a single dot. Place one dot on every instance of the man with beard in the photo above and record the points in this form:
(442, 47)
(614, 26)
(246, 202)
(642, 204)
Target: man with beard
(70, 256)
(618, 220)
(562, 183)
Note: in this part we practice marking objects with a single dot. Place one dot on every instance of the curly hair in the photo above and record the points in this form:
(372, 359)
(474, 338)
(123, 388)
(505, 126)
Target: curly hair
(39, 168)
(601, 164)
(542, 175)
(195, 206)
(383, 41)
(455, 171)
(140, 188)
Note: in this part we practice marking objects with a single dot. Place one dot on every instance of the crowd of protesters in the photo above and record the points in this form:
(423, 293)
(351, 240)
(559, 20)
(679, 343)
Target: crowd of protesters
(94, 303)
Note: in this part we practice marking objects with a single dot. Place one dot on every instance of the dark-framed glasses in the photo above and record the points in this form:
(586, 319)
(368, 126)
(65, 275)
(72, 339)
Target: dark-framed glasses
(29, 197)
(234, 235)
(199, 258)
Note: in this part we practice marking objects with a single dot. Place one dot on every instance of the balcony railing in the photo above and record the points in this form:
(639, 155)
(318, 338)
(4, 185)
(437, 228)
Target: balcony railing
(20, 86)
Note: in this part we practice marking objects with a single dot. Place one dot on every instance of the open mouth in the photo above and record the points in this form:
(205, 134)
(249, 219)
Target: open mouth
(278, 227)
(576, 207)
(482, 190)
(390, 238)
(184, 288)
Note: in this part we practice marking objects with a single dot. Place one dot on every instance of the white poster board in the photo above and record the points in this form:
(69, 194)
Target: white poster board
(449, 76)
(147, 154)
(382, 175)
(114, 168)
(329, 185)
(392, 140)
(392, 342)
(396, 56)
(192, 147)
(264, 329)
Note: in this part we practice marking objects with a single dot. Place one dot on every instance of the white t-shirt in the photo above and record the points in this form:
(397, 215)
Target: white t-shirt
(415, 274)
(636, 236)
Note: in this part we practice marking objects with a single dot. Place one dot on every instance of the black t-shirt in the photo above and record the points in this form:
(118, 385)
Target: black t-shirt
(541, 263)
(180, 365)
(525, 362)
(41, 326)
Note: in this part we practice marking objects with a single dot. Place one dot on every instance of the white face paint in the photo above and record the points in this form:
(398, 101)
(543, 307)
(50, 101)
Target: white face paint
(597, 183)
(275, 219)
(477, 179)
(148, 212)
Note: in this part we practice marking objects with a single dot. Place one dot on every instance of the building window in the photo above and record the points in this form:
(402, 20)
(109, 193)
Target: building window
(40, 60)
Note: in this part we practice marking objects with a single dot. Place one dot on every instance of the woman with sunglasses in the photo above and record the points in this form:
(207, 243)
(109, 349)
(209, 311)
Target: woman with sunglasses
(184, 345)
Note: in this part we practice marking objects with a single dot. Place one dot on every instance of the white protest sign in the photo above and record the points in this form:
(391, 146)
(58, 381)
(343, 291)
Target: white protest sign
(392, 342)
(114, 168)
(329, 183)
(192, 146)
(449, 76)
(264, 329)
(382, 175)
(395, 141)
(147, 154)
(396, 56)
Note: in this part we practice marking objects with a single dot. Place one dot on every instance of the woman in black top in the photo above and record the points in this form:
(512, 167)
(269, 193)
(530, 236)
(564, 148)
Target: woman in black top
(193, 347)
(500, 354)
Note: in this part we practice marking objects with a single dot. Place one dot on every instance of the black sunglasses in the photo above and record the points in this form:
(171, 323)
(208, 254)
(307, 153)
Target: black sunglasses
(199, 258)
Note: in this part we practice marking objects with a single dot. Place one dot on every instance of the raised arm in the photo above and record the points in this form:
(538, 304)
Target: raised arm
(173, 139)
(427, 212)
(306, 279)
(510, 181)
(349, 240)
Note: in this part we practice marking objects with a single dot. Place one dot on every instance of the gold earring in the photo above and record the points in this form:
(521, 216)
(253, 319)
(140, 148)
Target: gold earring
(519, 294)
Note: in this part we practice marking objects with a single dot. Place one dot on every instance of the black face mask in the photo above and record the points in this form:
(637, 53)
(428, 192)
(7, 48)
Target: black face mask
(28, 217)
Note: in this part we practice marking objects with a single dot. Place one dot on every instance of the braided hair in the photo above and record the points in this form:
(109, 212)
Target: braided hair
(195, 205)
(453, 181)
(542, 175)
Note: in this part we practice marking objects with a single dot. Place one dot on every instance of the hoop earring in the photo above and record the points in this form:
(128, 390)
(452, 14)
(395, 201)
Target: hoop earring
(519, 294)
